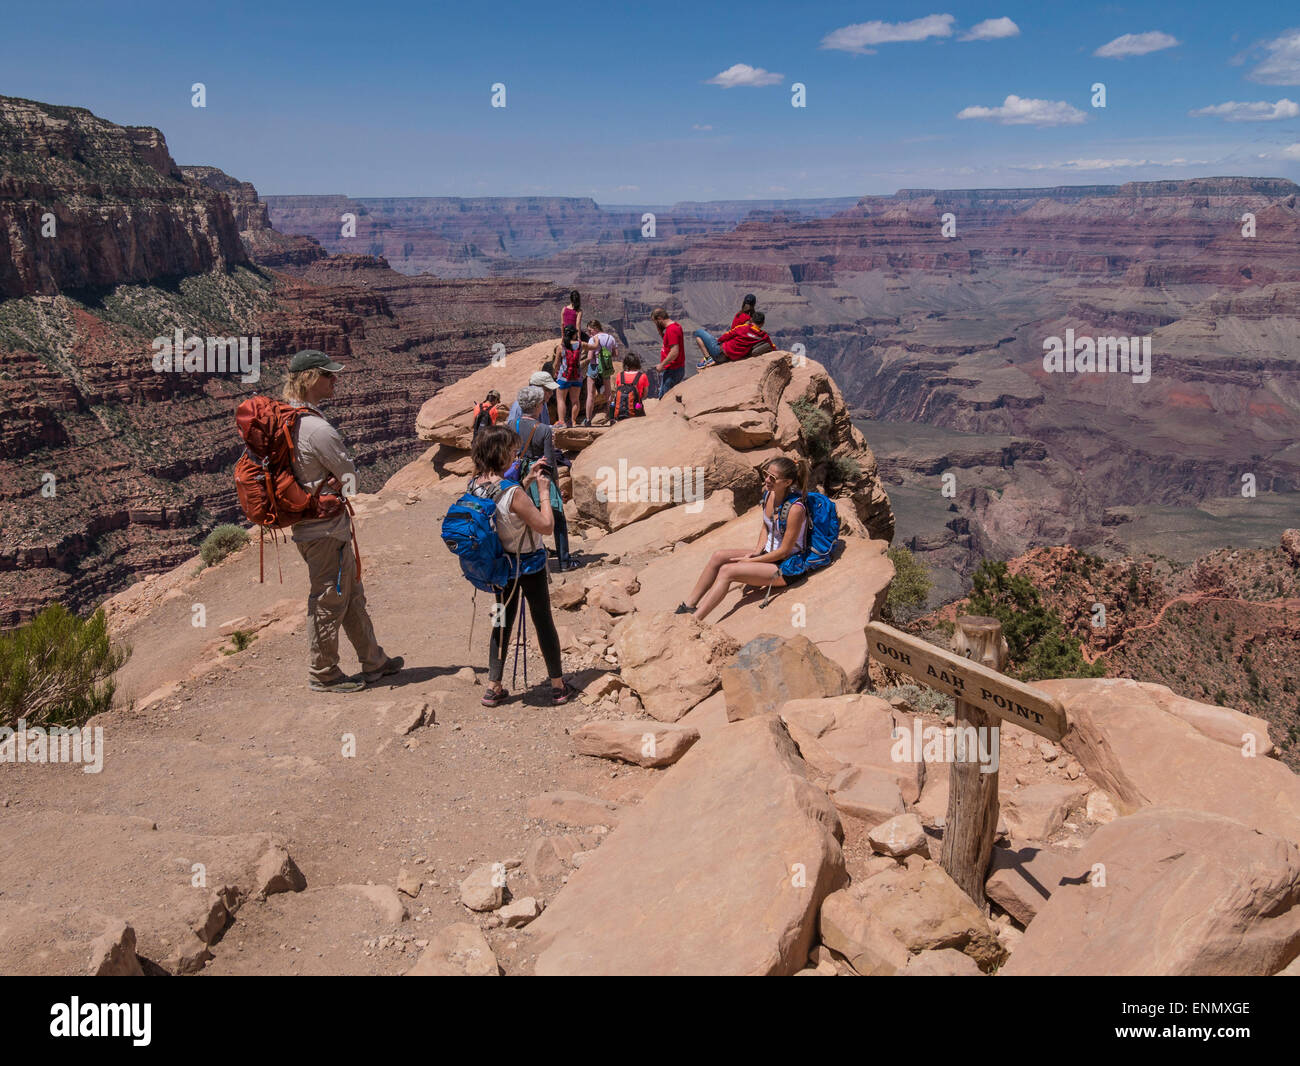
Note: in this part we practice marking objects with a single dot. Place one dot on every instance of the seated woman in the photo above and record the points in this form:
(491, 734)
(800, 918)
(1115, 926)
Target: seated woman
(785, 533)
(520, 524)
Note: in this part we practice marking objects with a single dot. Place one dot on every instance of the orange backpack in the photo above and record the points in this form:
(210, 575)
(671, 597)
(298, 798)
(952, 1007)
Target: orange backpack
(268, 492)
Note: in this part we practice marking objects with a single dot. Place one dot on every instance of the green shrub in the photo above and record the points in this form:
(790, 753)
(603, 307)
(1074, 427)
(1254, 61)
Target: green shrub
(910, 586)
(1038, 645)
(241, 639)
(815, 428)
(221, 542)
(843, 469)
(57, 669)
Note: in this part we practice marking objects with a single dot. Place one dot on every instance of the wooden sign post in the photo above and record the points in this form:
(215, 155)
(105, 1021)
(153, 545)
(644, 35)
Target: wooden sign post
(983, 696)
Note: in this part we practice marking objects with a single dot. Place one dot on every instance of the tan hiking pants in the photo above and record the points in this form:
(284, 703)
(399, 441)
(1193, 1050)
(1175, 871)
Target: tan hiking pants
(336, 598)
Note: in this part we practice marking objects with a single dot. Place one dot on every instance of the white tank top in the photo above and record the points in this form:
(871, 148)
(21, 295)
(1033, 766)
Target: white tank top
(774, 530)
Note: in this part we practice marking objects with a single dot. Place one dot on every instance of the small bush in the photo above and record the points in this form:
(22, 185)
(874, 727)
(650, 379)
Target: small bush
(241, 639)
(843, 469)
(221, 542)
(815, 426)
(57, 669)
(910, 586)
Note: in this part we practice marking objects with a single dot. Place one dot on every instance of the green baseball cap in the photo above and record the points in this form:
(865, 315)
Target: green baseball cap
(310, 359)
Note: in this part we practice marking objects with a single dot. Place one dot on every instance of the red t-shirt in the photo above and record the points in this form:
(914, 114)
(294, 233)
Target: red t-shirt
(740, 319)
(673, 335)
(640, 381)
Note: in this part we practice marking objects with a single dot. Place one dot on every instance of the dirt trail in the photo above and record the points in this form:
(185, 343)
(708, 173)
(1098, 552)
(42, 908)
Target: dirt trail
(247, 748)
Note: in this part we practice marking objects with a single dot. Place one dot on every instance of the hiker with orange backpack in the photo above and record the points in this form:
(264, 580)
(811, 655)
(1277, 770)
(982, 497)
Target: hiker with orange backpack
(627, 390)
(320, 461)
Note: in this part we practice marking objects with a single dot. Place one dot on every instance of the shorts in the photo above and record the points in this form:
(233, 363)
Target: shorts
(593, 373)
(569, 384)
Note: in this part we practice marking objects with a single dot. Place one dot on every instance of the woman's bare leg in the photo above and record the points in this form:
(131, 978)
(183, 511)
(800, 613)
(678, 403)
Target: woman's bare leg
(710, 573)
(762, 574)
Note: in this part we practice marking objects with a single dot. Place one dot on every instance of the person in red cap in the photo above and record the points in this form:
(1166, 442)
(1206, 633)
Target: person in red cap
(336, 597)
(740, 342)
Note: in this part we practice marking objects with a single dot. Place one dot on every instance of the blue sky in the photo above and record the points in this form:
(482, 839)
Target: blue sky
(618, 102)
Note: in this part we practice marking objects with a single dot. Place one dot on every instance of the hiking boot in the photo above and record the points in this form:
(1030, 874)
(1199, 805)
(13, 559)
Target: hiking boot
(391, 667)
(342, 683)
(684, 609)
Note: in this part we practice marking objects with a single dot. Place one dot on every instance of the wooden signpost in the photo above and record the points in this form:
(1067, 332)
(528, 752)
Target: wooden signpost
(983, 696)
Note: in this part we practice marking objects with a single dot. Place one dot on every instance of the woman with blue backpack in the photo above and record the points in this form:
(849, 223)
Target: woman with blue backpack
(799, 532)
(520, 525)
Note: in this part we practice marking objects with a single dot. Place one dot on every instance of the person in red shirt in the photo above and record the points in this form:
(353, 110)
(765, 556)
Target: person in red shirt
(707, 343)
(740, 343)
(634, 376)
(672, 356)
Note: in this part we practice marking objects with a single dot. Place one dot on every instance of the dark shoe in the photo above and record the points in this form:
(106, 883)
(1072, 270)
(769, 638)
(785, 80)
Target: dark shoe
(493, 696)
(562, 695)
(343, 683)
(703, 363)
(684, 609)
(391, 667)
(585, 423)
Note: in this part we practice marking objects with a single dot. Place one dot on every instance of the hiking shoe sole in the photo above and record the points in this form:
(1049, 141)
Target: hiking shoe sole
(343, 684)
(391, 667)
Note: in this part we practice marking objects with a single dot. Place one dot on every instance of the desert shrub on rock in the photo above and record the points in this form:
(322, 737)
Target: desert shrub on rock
(58, 669)
(221, 542)
(910, 586)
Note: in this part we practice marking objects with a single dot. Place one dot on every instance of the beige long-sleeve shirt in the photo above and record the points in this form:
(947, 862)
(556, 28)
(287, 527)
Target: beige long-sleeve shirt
(319, 454)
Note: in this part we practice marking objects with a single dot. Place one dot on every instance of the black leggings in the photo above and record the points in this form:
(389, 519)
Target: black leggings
(561, 534)
(533, 588)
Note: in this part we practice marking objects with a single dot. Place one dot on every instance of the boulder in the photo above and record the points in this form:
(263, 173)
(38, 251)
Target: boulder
(670, 660)
(681, 523)
(484, 888)
(720, 870)
(459, 950)
(922, 906)
(848, 927)
(1021, 880)
(643, 743)
(519, 912)
(1143, 755)
(752, 385)
(573, 808)
(899, 837)
(831, 607)
(112, 953)
(770, 671)
(858, 730)
(644, 465)
(1170, 892)
(1035, 812)
(866, 793)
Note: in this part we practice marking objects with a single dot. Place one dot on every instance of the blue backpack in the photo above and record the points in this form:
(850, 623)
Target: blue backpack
(470, 531)
(823, 531)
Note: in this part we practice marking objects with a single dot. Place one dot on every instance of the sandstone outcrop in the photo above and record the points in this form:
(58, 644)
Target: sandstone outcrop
(1170, 892)
(720, 870)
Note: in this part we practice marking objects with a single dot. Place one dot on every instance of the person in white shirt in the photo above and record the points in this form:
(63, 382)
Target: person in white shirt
(604, 351)
(336, 597)
(784, 478)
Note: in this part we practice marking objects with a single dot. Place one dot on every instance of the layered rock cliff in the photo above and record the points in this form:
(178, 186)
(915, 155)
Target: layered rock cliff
(84, 202)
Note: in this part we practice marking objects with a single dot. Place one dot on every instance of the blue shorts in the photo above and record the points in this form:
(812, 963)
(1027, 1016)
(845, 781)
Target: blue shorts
(569, 384)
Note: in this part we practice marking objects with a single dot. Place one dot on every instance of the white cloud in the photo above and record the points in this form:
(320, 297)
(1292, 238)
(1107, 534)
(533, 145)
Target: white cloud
(861, 35)
(1019, 111)
(1281, 65)
(697, 126)
(1136, 44)
(991, 30)
(744, 74)
(1109, 164)
(1291, 151)
(1258, 111)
